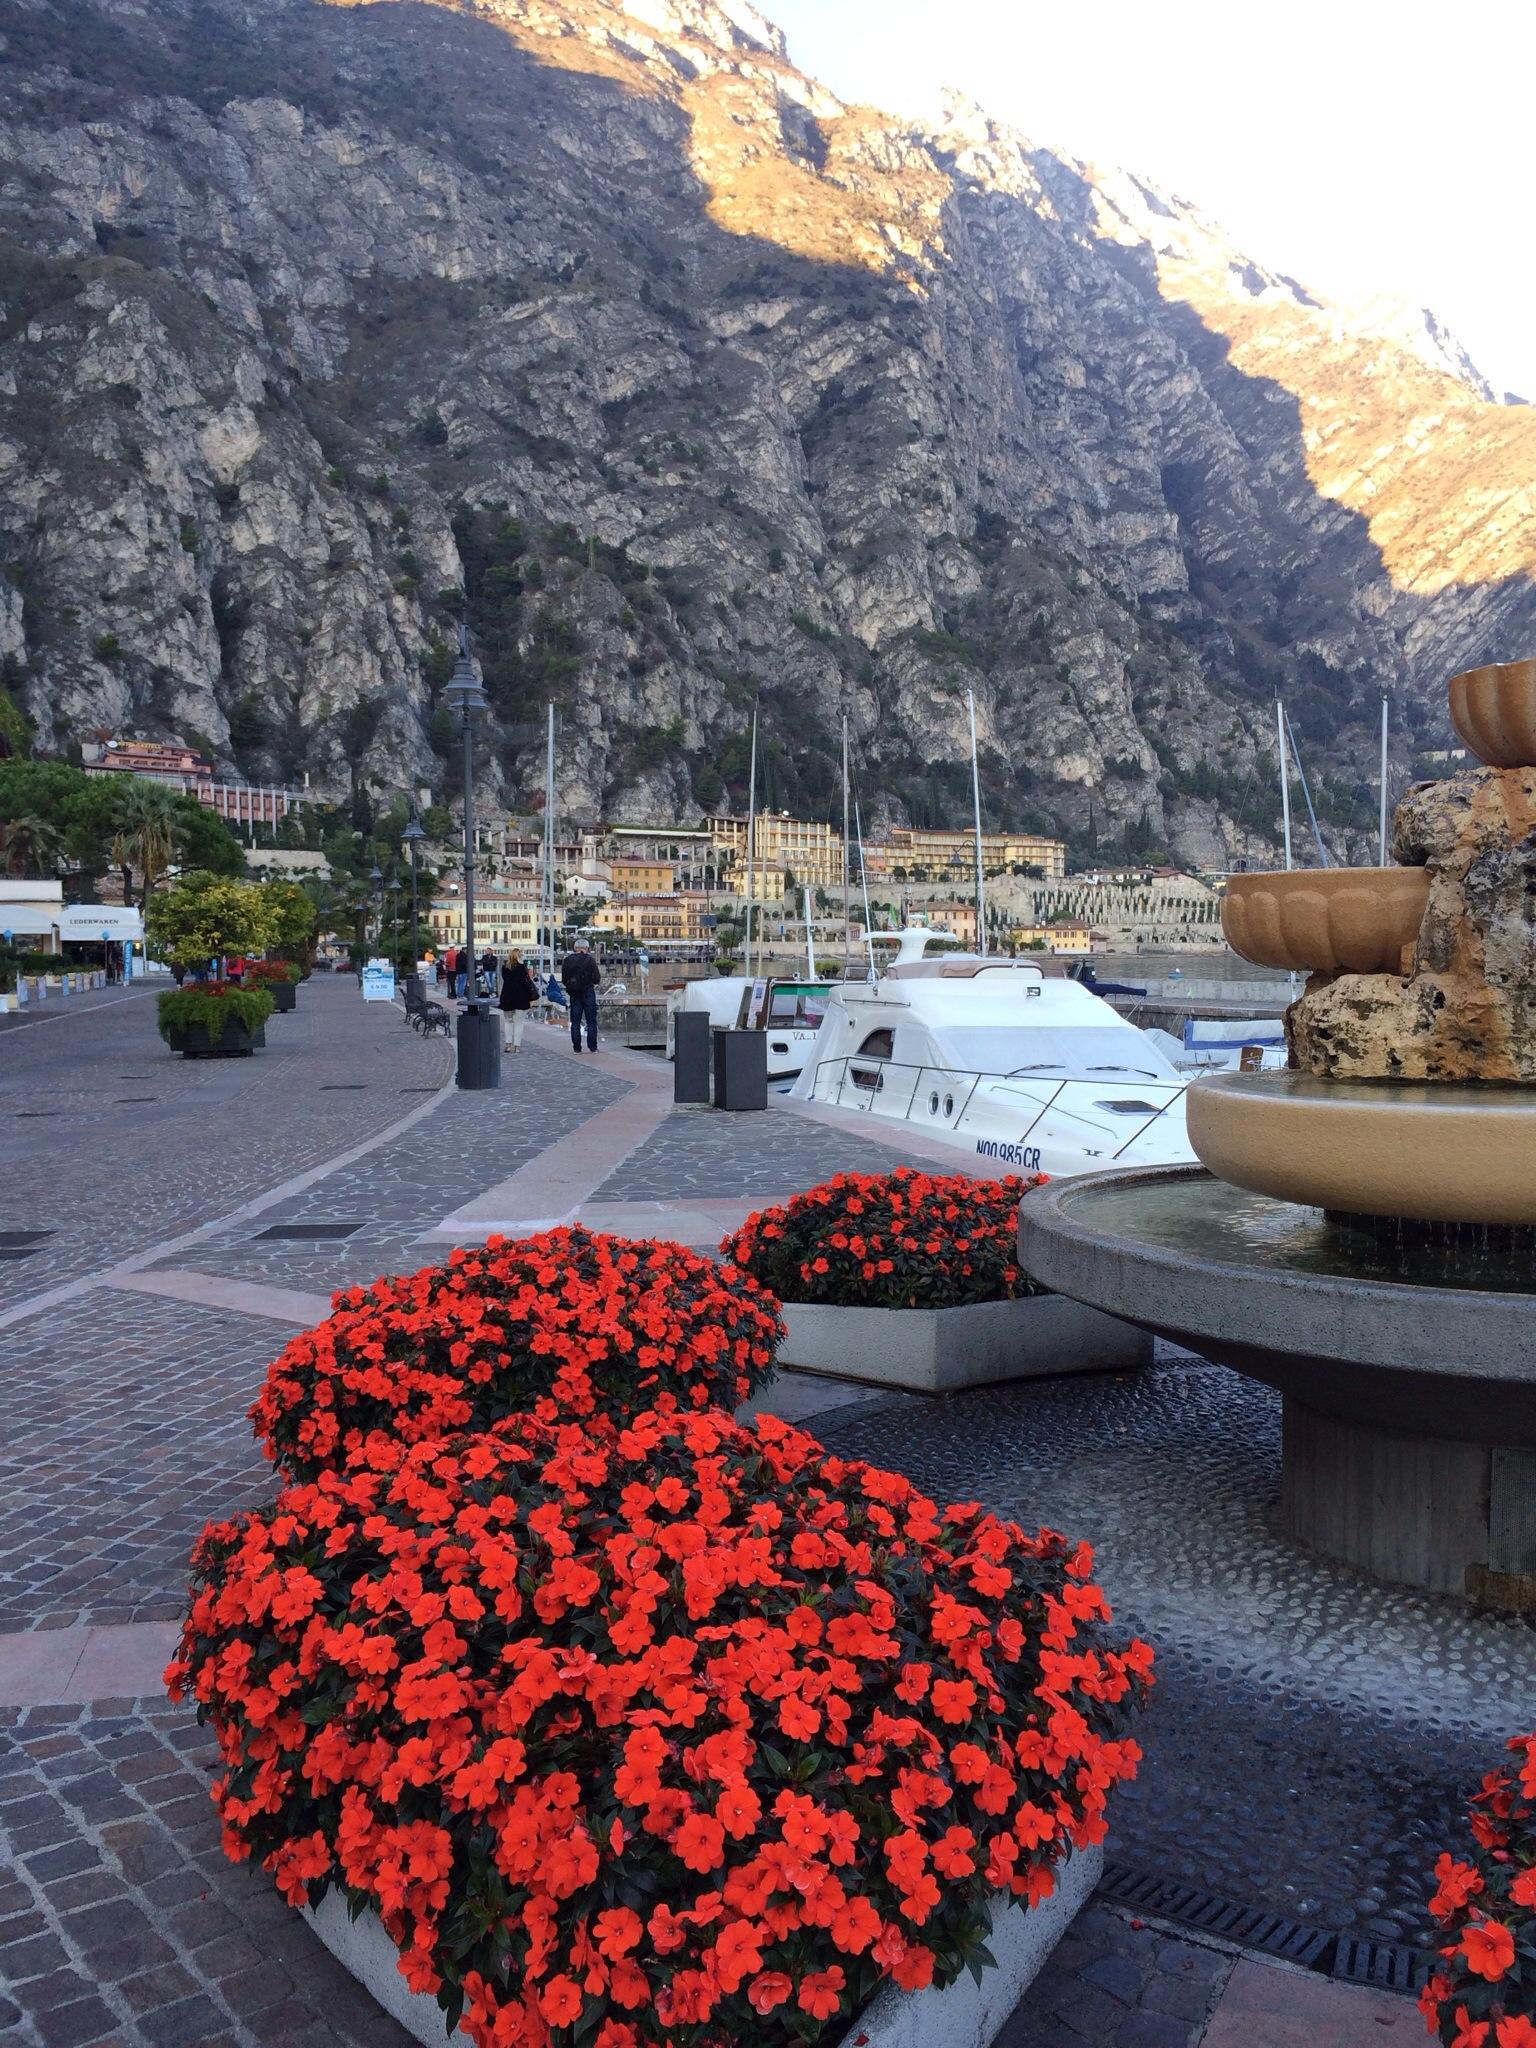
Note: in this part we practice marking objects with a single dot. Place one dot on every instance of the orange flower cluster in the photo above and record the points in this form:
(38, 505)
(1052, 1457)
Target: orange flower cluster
(684, 1736)
(565, 1324)
(1483, 1990)
(890, 1240)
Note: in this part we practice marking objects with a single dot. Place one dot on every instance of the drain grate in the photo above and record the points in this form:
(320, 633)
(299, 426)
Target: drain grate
(1389, 1966)
(418, 1091)
(1385, 1964)
(306, 1233)
(1247, 1926)
(135, 1098)
(39, 1112)
(17, 1251)
(12, 1240)
(340, 1087)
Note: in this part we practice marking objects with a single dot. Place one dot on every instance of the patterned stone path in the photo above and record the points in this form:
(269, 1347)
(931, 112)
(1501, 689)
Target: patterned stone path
(131, 1350)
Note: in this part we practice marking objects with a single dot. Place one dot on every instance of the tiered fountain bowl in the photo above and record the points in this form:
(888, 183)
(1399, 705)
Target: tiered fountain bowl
(1362, 1233)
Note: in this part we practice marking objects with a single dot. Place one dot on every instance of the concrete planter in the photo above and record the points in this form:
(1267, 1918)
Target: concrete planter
(943, 1350)
(232, 1042)
(284, 995)
(967, 2015)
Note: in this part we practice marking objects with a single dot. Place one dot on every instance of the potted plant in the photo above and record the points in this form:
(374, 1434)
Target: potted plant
(214, 1017)
(205, 917)
(280, 978)
(677, 1731)
(911, 1279)
(1482, 1992)
(565, 1324)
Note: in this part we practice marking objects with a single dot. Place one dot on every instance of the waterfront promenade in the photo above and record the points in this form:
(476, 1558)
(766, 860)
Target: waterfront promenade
(165, 1224)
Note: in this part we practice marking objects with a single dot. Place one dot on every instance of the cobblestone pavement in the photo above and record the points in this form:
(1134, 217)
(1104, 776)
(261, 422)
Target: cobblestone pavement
(702, 1153)
(109, 1142)
(122, 1922)
(404, 1190)
(123, 1430)
(1115, 1982)
(1354, 1717)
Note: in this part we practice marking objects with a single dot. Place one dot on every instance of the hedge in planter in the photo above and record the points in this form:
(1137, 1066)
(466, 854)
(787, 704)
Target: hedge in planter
(1483, 1991)
(691, 1736)
(890, 1240)
(273, 973)
(568, 1323)
(209, 1006)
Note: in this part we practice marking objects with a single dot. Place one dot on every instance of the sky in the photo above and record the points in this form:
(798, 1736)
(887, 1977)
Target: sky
(1360, 146)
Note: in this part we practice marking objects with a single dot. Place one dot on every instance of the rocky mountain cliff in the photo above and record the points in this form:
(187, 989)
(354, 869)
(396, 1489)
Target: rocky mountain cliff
(319, 322)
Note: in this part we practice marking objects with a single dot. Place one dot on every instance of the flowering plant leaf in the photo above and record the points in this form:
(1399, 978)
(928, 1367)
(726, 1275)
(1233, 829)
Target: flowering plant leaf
(1482, 1992)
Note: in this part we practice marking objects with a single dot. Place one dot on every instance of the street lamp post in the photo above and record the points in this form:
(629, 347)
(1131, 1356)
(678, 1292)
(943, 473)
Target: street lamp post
(479, 1029)
(413, 836)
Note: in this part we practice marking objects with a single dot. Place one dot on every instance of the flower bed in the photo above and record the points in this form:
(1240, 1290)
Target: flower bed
(1483, 1991)
(912, 1279)
(890, 1240)
(691, 1734)
(564, 1324)
(271, 973)
(210, 1005)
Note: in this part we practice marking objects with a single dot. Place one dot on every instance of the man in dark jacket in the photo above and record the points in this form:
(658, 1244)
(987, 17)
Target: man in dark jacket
(579, 973)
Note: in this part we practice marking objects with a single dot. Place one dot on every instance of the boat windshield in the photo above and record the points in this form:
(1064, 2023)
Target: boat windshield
(1056, 1055)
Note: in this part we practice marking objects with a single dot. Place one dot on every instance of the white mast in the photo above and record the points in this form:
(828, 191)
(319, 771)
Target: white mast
(858, 830)
(810, 943)
(981, 892)
(1285, 782)
(845, 844)
(547, 885)
(1381, 837)
(751, 841)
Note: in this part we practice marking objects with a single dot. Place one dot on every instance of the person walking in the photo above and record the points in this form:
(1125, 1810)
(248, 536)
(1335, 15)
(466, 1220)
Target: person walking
(579, 972)
(518, 994)
(489, 965)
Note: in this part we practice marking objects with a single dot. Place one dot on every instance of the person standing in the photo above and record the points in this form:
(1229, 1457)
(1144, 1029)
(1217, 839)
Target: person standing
(580, 975)
(516, 1000)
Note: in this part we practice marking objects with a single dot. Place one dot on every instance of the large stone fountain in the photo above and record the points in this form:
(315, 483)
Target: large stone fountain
(1362, 1233)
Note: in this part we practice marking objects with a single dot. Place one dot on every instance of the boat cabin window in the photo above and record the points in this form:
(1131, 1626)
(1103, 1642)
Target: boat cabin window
(878, 1045)
(935, 949)
(795, 1008)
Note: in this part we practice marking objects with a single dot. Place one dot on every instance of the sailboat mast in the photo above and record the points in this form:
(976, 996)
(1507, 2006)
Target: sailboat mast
(981, 891)
(751, 840)
(858, 831)
(845, 846)
(1285, 782)
(810, 943)
(547, 887)
(1381, 835)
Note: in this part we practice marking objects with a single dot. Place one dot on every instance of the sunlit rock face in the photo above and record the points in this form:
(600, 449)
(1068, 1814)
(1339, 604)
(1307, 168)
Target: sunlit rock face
(1467, 1012)
(704, 388)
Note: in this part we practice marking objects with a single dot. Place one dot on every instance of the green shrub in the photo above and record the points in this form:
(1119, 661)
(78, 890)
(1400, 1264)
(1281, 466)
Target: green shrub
(212, 1005)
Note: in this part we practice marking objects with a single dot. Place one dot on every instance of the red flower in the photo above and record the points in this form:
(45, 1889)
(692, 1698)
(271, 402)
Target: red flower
(889, 1241)
(1489, 1948)
(641, 1690)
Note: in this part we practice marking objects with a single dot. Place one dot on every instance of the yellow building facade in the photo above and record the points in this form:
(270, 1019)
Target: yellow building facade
(810, 851)
(504, 918)
(943, 852)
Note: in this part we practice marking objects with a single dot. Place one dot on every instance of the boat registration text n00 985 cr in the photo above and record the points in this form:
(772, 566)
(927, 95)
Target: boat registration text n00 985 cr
(1027, 1156)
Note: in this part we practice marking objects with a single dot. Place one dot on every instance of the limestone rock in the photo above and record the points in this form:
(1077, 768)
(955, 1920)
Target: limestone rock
(1467, 1012)
(297, 296)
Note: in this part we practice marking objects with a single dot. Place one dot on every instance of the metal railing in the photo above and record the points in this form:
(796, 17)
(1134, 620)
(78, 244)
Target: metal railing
(950, 1081)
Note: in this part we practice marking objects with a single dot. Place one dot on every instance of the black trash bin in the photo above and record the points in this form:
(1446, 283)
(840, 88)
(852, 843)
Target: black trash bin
(741, 1070)
(690, 1056)
(479, 1049)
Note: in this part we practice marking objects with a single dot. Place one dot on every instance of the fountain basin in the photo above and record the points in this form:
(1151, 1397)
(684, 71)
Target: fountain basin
(1408, 1376)
(1438, 1153)
(1494, 712)
(1327, 920)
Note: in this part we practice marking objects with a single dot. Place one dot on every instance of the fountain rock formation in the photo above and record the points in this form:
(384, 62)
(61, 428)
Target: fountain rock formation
(1466, 1011)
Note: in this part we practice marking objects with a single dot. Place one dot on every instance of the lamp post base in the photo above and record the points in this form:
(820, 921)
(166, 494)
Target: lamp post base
(479, 1049)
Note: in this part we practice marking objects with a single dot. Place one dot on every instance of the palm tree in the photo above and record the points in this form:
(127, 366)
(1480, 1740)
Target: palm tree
(145, 837)
(30, 844)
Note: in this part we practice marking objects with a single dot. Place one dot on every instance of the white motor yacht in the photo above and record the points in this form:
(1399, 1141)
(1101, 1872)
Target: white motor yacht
(1014, 1066)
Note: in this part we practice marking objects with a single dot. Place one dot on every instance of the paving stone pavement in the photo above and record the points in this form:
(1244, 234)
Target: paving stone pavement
(151, 1145)
(122, 1431)
(702, 1153)
(1115, 1981)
